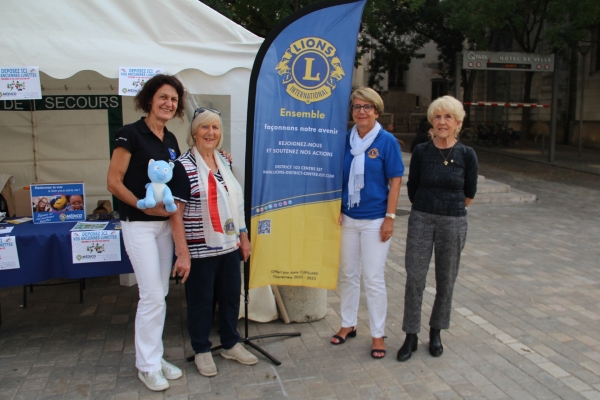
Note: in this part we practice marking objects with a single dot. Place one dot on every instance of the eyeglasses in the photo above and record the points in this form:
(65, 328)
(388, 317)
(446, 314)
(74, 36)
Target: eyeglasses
(366, 107)
(200, 110)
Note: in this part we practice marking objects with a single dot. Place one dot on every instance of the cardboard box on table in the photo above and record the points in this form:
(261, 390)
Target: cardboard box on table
(23, 206)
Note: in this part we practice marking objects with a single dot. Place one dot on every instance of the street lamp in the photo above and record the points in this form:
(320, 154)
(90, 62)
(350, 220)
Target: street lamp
(584, 48)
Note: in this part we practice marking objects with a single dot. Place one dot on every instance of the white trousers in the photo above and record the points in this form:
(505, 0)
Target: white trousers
(362, 251)
(149, 245)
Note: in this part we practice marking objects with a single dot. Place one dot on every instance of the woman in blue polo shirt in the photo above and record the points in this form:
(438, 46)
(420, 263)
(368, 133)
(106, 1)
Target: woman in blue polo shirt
(147, 233)
(373, 171)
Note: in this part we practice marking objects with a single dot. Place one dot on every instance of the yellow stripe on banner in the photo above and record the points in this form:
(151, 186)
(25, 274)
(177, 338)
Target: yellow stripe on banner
(296, 246)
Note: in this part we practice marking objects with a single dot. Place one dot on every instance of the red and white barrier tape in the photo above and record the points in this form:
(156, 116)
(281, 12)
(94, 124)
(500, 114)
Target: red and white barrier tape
(497, 104)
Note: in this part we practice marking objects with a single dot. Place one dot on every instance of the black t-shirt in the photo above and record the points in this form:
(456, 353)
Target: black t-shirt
(143, 145)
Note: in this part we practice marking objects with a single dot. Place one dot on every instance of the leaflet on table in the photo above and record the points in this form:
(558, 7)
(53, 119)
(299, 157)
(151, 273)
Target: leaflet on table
(96, 246)
(9, 256)
(89, 226)
(58, 202)
(20, 83)
(4, 229)
(132, 79)
(19, 220)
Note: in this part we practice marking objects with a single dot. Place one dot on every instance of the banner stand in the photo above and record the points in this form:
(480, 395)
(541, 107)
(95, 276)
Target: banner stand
(250, 136)
(313, 79)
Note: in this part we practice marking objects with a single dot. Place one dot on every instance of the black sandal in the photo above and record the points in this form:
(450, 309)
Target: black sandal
(373, 351)
(384, 351)
(342, 340)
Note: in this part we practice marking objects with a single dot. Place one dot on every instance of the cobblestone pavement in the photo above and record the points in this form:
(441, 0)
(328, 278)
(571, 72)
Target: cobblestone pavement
(525, 322)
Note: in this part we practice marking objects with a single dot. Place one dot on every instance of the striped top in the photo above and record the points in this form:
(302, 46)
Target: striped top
(186, 187)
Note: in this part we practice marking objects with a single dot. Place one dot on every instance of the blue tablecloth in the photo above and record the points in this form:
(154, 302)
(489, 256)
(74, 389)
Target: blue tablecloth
(45, 253)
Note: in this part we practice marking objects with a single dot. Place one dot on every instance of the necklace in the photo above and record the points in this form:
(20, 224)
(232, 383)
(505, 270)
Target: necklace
(446, 158)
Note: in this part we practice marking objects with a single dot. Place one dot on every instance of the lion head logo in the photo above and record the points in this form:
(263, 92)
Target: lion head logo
(310, 69)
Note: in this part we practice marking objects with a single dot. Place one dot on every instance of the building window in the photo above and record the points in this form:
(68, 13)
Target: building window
(439, 88)
(396, 78)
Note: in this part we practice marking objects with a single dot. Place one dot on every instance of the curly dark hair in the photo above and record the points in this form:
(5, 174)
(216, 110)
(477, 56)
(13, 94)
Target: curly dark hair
(143, 100)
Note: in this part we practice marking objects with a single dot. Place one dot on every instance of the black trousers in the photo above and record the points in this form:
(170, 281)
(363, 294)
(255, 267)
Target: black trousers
(210, 275)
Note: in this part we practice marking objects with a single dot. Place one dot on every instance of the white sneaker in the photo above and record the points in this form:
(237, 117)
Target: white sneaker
(205, 364)
(239, 354)
(154, 380)
(169, 370)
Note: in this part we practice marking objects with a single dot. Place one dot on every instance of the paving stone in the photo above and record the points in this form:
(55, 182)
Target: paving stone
(26, 395)
(520, 327)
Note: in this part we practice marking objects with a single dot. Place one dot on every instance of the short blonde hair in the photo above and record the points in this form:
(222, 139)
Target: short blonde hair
(205, 118)
(450, 105)
(368, 94)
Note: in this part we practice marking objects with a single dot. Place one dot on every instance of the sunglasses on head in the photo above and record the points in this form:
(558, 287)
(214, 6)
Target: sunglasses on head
(200, 110)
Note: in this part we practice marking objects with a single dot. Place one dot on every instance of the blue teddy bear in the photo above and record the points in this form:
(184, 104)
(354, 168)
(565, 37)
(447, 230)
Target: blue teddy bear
(159, 172)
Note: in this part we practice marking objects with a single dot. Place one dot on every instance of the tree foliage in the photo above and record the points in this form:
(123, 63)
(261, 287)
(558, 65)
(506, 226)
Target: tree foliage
(396, 30)
(258, 16)
(560, 23)
(387, 32)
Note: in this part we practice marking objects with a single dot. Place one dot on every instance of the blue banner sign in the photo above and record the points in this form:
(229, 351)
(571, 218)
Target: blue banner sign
(298, 114)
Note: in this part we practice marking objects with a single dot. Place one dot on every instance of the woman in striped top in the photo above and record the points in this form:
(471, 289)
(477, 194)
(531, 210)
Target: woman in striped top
(210, 235)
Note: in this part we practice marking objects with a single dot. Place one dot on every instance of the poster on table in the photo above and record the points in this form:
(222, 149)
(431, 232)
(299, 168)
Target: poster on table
(297, 118)
(95, 246)
(58, 202)
(20, 83)
(9, 256)
(132, 79)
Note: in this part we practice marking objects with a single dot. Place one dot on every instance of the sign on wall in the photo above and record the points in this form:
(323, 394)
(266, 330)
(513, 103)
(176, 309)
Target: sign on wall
(505, 61)
(132, 80)
(111, 103)
(20, 83)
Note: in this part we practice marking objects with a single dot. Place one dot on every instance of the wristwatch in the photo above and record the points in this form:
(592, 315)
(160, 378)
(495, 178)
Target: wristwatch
(390, 215)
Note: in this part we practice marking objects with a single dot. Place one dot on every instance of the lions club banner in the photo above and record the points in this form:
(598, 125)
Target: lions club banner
(297, 119)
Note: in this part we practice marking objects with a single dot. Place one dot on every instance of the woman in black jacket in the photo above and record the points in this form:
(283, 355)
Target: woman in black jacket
(442, 183)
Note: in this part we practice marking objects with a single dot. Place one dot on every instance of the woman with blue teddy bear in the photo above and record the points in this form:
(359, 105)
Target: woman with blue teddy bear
(146, 228)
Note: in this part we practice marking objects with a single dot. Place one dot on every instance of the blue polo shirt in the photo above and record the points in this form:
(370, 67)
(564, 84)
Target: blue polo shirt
(383, 161)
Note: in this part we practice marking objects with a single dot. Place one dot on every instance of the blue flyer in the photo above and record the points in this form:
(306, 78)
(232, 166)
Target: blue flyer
(58, 202)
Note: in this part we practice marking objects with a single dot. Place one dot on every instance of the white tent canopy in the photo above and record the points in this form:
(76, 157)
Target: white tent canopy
(64, 37)
(79, 47)
(212, 56)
